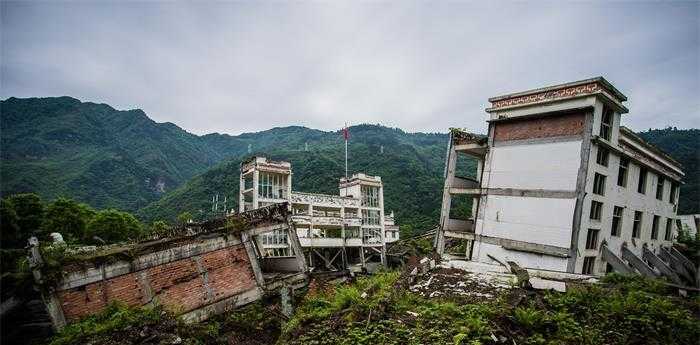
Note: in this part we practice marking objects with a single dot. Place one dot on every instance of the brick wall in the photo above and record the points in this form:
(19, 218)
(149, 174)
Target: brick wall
(181, 285)
(544, 127)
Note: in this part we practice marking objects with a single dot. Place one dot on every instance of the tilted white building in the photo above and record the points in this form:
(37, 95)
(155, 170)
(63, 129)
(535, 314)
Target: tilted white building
(349, 230)
(561, 185)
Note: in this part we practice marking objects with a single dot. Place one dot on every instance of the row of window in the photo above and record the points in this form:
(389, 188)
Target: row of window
(616, 226)
(603, 157)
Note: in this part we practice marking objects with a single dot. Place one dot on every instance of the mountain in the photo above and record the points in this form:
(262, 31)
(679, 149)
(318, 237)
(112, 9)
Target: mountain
(122, 159)
(94, 153)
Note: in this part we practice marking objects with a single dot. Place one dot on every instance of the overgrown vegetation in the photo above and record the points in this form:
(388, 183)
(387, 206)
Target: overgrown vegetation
(621, 310)
(119, 324)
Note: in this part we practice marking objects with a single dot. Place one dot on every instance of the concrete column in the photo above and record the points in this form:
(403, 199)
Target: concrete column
(450, 165)
(256, 177)
(241, 198)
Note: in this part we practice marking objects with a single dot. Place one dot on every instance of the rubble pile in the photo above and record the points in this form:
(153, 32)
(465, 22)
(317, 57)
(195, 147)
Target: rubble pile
(456, 283)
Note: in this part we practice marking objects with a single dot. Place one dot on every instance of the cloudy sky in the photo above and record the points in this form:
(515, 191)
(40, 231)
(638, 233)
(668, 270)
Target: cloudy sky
(241, 67)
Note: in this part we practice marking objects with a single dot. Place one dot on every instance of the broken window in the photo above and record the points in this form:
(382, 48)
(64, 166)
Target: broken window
(616, 221)
(606, 123)
(642, 185)
(637, 225)
(622, 172)
(596, 208)
(660, 187)
(655, 227)
(272, 186)
(602, 156)
(669, 226)
(672, 195)
(599, 184)
(592, 239)
(370, 217)
(370, 196)
(588, 265)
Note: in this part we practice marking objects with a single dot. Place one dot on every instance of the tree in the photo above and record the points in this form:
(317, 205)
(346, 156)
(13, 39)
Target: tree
(68, 217)
(184, 217)
(159, 227)
(114, 226)
(10, 236)
(30, 213)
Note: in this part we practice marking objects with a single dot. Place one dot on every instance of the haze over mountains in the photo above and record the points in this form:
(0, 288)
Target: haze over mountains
(122, 159)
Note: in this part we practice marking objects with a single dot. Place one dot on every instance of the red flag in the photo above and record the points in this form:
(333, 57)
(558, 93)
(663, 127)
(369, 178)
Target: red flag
(346, 133)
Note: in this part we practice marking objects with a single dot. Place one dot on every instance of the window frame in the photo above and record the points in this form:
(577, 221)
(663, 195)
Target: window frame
(606, 126)
(599, 184)
(622, 172)
(669, 229)
(660, 182)
(616, 226)
(602, 156)
(642, 181)
(637, 224)
(592, 239)
(588, 265)
(596, 210)
(655, 227)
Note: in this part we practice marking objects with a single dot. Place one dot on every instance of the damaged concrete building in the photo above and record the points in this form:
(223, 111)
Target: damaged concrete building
(197, 271)
(561, 185)
(345, 231)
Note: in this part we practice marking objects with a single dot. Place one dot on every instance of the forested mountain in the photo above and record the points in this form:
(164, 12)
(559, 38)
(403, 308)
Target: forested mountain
(122, 159)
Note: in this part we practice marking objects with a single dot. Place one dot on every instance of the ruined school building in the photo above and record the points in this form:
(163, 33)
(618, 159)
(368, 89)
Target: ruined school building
(561, 185)
(349, 230)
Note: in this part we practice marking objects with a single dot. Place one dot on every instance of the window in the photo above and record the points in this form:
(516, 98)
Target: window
(370, 217)
(602, 156)
(622, 172)
(606, 123)
(655, 227)
(272, 186)
(596, 208)
(637, 225)
(599, 184)
(660, 188)
(370, 196)
(616, 221)
(669, 226)
(672, 195)
(642, 186)
(588, 265)
(592, 239)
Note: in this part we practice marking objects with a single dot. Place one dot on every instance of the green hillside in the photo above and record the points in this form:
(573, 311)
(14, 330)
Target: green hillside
(411, 169)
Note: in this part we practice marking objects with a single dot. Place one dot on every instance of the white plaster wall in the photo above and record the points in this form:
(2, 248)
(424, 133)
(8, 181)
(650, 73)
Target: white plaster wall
(627, 198)
(535, 220)
(552, 166)
(523, 259)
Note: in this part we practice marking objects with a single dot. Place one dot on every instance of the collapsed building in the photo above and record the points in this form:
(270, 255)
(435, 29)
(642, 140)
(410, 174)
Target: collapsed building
(336, 232)
(561, 185)
(197, 271)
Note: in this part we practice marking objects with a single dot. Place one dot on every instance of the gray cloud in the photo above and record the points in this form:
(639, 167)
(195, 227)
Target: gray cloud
(238, 67)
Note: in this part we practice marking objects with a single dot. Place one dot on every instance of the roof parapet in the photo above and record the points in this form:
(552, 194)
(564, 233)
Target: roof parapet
(581, 88)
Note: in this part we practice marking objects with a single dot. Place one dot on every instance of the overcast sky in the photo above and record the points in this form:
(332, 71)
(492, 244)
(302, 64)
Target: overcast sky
(241, 67)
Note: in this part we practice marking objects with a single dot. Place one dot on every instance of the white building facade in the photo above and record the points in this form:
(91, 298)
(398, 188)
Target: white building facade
(562, 186)
(336, 232)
